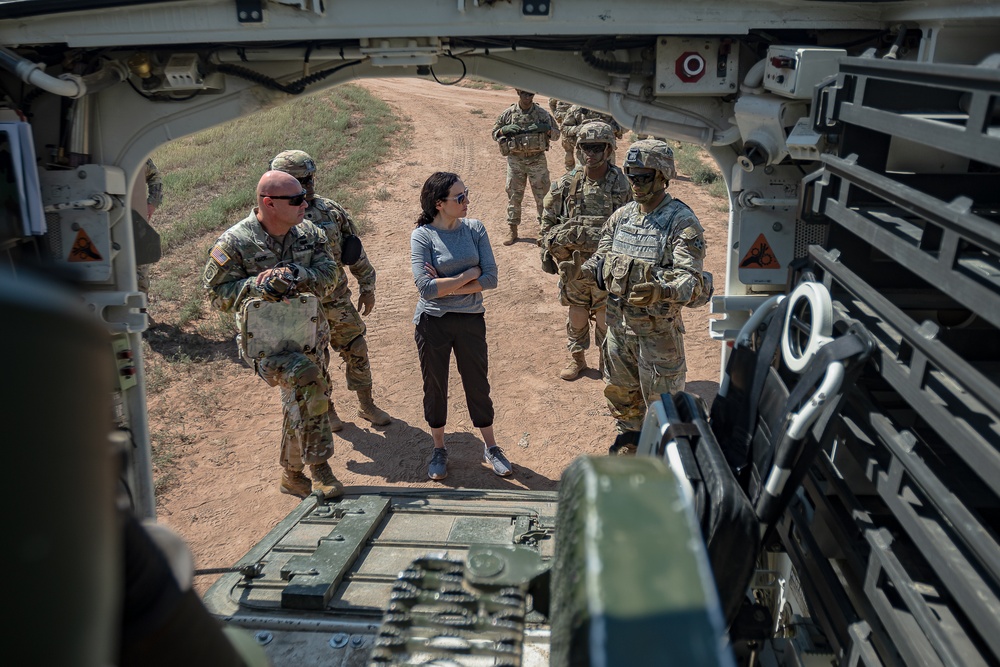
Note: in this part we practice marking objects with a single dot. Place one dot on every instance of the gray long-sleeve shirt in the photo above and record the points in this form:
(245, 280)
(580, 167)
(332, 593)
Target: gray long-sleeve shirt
(450, 253)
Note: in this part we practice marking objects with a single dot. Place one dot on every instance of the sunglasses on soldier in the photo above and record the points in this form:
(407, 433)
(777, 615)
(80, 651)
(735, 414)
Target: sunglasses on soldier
(641, 179)
(593, 148)
(293, 200)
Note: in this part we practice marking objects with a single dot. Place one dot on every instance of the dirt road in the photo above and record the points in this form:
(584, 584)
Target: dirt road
(226, 496)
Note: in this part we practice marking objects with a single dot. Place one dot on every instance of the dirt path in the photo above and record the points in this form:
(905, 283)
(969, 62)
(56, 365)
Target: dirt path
(226, 495)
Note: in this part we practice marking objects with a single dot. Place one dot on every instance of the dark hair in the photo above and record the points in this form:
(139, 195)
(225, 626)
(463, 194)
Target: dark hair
(436, 188)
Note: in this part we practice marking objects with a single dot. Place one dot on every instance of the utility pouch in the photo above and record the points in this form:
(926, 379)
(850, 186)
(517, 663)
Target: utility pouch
(528, 144)
(504, 145)
(617, 273)
(271, 327)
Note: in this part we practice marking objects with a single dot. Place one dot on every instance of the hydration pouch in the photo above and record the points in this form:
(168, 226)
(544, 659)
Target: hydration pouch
(272, 327)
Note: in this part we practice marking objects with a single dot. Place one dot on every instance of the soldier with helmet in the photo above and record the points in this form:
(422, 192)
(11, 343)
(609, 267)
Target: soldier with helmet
(523, 132)
(650, 260)
(347, 329)
(573, 119)
(575, 211)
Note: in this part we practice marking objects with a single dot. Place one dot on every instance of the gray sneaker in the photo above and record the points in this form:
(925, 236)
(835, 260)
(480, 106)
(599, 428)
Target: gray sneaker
(438, 469)
(501, 466)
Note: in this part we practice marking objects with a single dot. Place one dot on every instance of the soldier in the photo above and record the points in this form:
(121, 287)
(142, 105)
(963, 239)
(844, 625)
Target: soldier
(154, 197)
(261, 256)
(347, 329)
(650, 260)
(575, 210)
(523, 131)
(558, 109)
(573, 119)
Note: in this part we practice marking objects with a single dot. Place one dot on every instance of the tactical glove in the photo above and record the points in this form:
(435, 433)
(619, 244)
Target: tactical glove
(276, 284)
(569, 270)
(366, 302)
(510, 130)
(548, 264)
(646, 294)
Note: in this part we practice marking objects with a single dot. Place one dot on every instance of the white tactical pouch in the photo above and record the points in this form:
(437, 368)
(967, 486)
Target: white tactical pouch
(271, 327)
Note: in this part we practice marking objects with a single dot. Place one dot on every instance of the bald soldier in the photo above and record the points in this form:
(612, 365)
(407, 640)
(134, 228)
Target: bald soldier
(347, 329)
(269, 255)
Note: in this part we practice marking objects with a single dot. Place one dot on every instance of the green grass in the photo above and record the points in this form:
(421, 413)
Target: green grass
(209, 178)
(692, 161)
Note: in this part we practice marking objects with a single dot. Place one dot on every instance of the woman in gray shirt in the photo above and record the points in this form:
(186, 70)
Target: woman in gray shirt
(452, 264)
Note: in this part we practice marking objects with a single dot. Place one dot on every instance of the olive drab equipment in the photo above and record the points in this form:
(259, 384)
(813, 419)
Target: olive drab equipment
(651, 154)
(271, 327)
(524, 143)
(296, 163)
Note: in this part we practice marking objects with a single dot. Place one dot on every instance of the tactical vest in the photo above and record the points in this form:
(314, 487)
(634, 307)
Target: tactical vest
(581, 231)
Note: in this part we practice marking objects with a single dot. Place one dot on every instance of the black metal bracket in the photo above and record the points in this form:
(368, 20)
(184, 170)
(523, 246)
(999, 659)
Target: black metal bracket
(250, 11)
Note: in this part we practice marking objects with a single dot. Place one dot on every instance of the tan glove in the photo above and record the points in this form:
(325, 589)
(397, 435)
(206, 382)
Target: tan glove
(569, 269)
(366, 302)
(646, 294)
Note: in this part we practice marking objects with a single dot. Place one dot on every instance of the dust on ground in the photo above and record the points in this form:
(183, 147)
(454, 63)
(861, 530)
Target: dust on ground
(224, 495)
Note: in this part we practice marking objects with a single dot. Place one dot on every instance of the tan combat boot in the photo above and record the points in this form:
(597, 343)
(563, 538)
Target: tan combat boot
(368, 410)
(335, 423)
(511, 236)
(294, 483)
(325, 482)
(577, 364)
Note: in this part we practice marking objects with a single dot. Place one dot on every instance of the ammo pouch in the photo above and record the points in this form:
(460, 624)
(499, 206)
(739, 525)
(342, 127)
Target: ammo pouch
(582, 232)
(271, 327)
(525, 144)
(622, 271)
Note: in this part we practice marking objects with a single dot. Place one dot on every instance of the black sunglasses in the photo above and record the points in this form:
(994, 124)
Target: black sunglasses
(641, 179)
(293, 200)
(593, 148)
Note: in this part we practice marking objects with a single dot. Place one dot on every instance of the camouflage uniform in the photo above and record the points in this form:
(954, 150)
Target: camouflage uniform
(558, 109)
(575, 118)
(347, 329)
(154, 197)
(574, 213)
(526, 159)
(244, 251)
(644, 348)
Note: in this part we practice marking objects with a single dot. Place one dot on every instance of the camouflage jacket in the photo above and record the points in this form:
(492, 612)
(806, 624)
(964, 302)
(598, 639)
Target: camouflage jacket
(154, 184)
(246, 250)
(336, 223)
(576, 116)
(559, 109)
(576, 208)
(665, 246)
(536, 115)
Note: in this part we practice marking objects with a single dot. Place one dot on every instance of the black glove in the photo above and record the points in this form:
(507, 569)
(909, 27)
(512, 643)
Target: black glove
(548, 264)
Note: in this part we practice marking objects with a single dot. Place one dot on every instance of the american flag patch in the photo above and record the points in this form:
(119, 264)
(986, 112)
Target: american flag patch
(219, 255)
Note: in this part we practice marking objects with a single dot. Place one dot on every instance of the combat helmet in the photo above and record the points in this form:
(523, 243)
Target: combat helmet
(651, 154)
(596, 132)
(296, 163)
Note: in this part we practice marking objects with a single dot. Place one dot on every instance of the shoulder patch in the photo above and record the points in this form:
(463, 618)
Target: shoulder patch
(219, 255)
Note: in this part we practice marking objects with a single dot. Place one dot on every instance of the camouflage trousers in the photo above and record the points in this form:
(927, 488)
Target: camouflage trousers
(637, 369)
(142, 278)
(347, 338)
(533, 169)
(586, 302)
(306, 436)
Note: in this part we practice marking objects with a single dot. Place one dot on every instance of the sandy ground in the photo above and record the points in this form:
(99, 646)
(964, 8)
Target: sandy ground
(225, 497)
